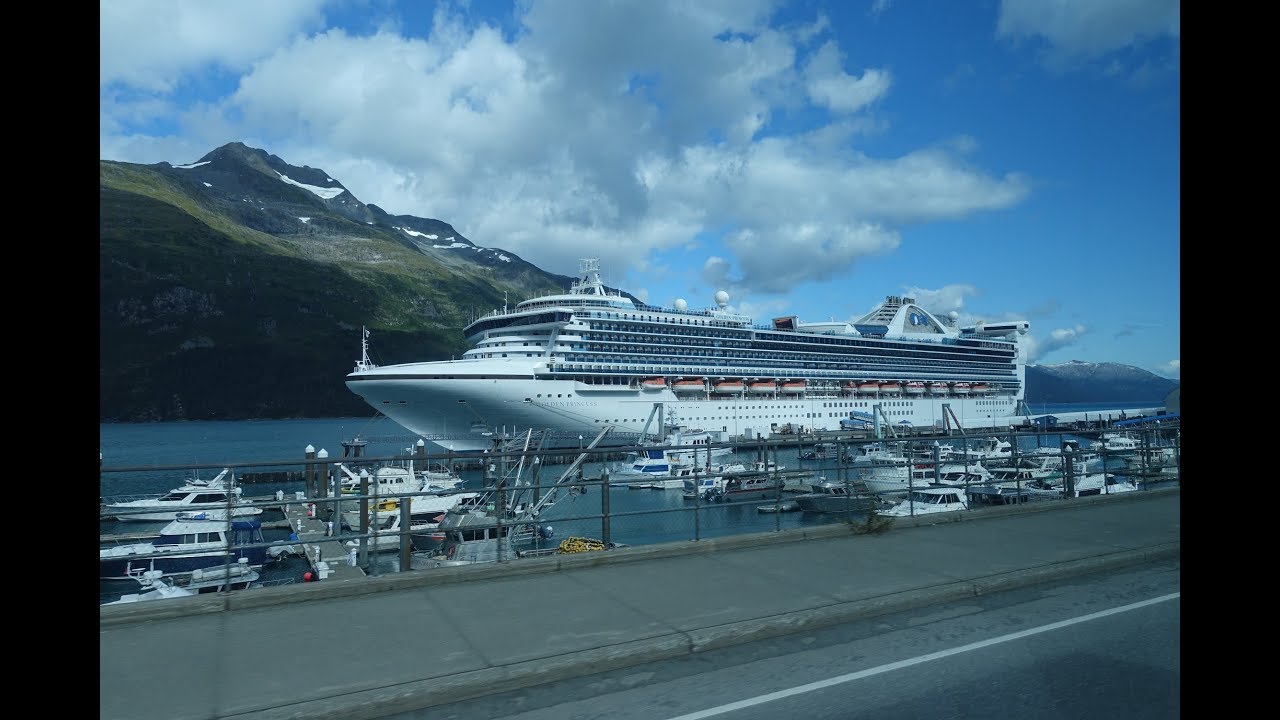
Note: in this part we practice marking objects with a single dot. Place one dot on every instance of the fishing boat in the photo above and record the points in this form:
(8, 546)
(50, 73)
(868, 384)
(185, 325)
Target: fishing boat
(829, 496)
(504, 522)
(573, 361)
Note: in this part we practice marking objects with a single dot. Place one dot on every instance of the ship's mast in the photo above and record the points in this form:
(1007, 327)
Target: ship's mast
(364, 363)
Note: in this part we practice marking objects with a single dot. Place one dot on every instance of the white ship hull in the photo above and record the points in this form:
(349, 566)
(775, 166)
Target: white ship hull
(505, 397)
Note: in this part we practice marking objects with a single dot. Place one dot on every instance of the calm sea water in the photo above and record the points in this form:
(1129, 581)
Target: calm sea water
(213, 444)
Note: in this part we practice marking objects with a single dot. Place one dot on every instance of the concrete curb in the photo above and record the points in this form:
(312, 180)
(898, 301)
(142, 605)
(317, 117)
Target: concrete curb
(420, 694)
(116, 615)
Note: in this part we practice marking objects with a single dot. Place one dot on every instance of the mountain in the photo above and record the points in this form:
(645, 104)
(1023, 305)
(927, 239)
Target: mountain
(1084, 382)
(236, 287)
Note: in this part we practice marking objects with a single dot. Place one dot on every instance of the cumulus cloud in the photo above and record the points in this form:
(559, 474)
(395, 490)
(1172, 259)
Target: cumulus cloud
(1055, 340)
(1171, 369)
(152, 46)
(631, 128)
(1086, 29)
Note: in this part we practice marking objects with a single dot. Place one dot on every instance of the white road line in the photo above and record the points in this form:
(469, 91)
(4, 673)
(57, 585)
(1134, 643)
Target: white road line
(809, 687)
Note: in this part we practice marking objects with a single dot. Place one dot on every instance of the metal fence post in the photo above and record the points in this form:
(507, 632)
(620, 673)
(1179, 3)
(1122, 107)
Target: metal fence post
(406, 541)
(605, 530)
(697, 504)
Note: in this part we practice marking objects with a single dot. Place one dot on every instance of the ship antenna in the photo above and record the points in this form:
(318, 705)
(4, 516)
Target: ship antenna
(364, 349)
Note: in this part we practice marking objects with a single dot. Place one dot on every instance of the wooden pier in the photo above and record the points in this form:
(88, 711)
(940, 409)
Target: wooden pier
(318, 545)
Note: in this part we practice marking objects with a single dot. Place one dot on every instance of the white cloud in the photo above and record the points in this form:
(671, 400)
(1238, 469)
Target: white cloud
(627, 127)
(1171, 369)
(1056, 340)
(1088, 28)
(154, 45)
(830, 86)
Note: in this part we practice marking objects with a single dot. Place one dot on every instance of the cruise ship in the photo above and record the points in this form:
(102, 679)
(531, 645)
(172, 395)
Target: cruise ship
(574, 362)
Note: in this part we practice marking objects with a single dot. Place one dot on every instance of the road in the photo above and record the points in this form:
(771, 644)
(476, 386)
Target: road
(1097, 646)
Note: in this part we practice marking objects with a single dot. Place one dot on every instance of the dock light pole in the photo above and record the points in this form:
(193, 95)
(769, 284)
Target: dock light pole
(310, 473)
(364, 517)
(323, 455)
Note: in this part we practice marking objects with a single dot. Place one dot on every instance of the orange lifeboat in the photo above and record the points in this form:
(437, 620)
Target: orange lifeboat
(729, 386)
(762, 387)
(960, 388)
(654, 383)
(686, 385)
(793, 386)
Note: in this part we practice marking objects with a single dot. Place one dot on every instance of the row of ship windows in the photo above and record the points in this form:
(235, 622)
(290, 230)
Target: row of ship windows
(739, 418)
(994, 367)
(866, 404)
(678, 348)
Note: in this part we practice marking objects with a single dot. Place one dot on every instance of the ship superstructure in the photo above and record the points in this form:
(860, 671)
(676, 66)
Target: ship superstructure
(578, 361)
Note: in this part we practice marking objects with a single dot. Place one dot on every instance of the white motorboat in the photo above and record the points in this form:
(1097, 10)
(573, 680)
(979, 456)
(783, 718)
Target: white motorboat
(901, 477)
(191, 542)
(155, 585)
(929, 500)
(220, 493)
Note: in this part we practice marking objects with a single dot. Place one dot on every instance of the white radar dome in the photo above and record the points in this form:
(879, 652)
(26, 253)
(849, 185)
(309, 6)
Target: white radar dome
(722, 298)
(681, 305)
(953, 315)
(1022, 329)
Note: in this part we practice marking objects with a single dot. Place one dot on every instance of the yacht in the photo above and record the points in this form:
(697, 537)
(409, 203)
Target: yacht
(576, 361)
(220, 493)
(193, 541)
(930, 500)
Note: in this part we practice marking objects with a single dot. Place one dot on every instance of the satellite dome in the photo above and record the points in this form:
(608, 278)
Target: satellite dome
(722, 298)
(1022, 329)
(681, 305)
(953, 315)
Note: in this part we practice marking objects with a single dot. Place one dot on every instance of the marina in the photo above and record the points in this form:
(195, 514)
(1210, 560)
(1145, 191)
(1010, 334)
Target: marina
(305, 538)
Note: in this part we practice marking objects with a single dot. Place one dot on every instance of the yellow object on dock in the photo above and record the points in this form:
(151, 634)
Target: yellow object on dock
(578, 544)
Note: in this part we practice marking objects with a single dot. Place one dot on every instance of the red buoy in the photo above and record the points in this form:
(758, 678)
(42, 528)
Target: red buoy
(306, 577)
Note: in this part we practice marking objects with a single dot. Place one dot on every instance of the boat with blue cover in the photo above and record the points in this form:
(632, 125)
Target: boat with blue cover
(194, 541)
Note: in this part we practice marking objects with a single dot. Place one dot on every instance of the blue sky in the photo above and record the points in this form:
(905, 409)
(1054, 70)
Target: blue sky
(1001, 158)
